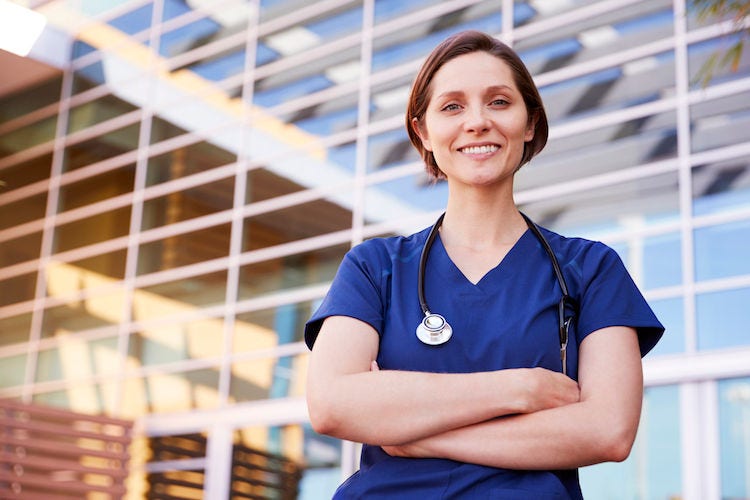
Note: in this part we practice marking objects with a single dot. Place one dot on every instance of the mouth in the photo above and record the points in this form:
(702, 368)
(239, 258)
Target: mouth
(479, 150)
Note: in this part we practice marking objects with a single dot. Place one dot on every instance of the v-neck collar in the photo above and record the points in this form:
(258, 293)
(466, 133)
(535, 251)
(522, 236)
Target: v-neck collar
(445, 267)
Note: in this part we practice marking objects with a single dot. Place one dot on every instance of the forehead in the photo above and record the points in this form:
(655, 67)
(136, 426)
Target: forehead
(475, 70)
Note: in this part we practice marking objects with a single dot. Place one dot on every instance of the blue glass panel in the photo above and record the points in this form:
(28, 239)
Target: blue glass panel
(338, 25)
(670, 313)
(81, 49)
(662, 264)
(722, 251)
(174, 8)
(734, 437)
(330, 123)
(134, 21)
(221, 67)
(264, 54)
(388, 9)
(299, 88)
(182, 39)
(722, 319)
(420, 47)
(653, 470)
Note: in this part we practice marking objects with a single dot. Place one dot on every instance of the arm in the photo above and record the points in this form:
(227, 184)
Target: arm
(600, 427)
(346, 399)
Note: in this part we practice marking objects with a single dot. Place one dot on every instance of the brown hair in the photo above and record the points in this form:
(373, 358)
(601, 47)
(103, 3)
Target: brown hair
(459, 44)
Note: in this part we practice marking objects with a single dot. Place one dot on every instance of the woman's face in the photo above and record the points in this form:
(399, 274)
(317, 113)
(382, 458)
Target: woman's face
(476, 122)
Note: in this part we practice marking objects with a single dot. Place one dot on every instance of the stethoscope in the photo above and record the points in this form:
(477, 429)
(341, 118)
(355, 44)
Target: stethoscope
(435, 330)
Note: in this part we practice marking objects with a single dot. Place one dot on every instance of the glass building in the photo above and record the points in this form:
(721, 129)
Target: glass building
(180, 179)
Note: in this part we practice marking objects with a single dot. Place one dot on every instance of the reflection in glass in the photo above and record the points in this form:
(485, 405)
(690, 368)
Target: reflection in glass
(326, 27)
(83, 397)
(26, 172)
(16, 289)
(671, 314)
(93, 189)
(620, 207)
(28, 136)
(100, 148)
(404, 197)
(183, 296)
(699, 55)
(390, 149)
(78, 359)
(184, 249)
(720, 122)
(268, 378)
(12, 371)
(722, 318)
(15, 104)
(98, 311)
(721, 251)
(263, 184)
(180, 391)
(268, 328)
(605, 149)
(307, 463)
(162, 129)
(721, 187)
(653, 469)
(734, 437)
(24, 210)
(179, 341)
(194, 202)
(283, 273)
(227, 22)
(297, 222)
(595, 37)
(21, 249)
(97, 111)
(661, 263)
(104, 268)
(93, 229)
(15, 329)
(187, 160)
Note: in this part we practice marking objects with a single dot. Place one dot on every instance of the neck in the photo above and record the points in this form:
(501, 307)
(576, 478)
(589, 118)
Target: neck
(482, 221)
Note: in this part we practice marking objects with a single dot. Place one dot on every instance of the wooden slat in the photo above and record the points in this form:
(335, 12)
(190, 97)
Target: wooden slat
(52, 447)
(43, 482)
(53, 454)
(54, 465)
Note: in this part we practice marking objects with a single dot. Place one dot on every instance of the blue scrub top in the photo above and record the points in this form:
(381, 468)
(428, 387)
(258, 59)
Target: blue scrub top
(507, 320)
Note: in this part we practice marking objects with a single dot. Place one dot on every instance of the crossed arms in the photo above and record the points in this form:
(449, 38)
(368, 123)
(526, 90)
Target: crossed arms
(516, 418)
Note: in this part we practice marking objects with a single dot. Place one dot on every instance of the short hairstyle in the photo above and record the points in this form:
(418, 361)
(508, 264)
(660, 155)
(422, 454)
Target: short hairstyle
(459, 44)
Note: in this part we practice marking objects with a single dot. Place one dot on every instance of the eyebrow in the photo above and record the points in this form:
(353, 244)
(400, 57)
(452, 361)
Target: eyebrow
(493, 89)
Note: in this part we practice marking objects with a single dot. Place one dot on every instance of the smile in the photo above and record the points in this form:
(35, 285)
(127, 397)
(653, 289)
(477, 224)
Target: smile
(478, 150)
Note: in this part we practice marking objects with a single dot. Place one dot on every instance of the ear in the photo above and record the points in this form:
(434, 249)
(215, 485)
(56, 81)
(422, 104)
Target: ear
(421, 131)
(530, 128)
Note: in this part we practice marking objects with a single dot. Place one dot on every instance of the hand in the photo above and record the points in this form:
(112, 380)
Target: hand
(542, 389)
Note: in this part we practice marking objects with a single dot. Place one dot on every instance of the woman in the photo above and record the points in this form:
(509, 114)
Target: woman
(487, 413)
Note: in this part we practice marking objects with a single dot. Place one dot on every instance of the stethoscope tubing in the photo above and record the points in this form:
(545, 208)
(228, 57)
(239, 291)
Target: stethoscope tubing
(431, 335)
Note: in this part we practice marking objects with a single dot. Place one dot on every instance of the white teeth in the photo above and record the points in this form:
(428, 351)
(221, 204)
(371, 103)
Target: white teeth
(478, 150)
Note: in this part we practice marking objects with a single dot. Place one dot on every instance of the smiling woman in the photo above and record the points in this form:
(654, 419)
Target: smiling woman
(428, 410)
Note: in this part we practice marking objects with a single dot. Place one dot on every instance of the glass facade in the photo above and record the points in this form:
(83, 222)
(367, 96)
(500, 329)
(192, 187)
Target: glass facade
(176, 200)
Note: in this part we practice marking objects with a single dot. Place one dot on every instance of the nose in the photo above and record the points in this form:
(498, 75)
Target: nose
(477, 120)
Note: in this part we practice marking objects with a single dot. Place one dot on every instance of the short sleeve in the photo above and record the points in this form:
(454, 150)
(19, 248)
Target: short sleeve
(355, 291)
(611, 298)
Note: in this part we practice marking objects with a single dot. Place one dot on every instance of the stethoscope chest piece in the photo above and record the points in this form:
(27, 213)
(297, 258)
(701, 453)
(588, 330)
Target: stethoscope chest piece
(434, 330)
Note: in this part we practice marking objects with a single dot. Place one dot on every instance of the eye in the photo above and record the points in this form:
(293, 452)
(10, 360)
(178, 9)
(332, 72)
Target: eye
(499, 102)
(450, 107)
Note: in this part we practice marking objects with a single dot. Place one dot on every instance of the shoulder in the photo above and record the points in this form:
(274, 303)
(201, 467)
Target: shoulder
(583, 257)
(387, 251)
